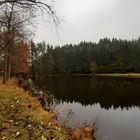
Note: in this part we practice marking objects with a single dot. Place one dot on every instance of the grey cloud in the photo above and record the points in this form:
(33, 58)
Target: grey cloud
(108, 18)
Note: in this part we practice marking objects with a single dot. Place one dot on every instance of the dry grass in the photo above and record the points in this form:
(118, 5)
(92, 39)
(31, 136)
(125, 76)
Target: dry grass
(125, 75)
(22, 118)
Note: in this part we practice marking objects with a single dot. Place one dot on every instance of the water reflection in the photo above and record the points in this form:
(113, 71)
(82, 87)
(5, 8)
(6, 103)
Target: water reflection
(113, 124)
(116, 92)
(114, 102)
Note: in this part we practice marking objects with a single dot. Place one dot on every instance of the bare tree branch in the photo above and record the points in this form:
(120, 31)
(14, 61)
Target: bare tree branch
(35, 4)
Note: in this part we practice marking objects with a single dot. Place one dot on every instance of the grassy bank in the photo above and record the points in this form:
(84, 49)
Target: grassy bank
(125, 75)
(22, 118)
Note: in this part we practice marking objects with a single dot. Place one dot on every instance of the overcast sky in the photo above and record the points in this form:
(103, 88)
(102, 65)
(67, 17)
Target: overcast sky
(91, 20)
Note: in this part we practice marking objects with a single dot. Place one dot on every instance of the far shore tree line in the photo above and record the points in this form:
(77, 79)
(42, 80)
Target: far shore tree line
(106, 56)
(42, 60)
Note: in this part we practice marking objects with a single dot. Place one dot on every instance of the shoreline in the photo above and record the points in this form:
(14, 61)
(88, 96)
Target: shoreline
(121, 75)
(22, 117)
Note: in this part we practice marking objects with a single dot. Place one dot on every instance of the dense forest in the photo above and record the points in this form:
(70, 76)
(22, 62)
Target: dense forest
(106, 56)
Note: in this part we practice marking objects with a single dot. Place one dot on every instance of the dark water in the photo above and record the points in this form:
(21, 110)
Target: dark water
(113, 103)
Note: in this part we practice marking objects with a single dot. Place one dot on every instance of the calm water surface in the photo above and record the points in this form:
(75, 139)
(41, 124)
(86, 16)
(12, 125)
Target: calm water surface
(113, 103)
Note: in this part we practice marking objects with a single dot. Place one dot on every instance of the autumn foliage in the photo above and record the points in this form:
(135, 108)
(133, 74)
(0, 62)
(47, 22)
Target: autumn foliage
(20, 59)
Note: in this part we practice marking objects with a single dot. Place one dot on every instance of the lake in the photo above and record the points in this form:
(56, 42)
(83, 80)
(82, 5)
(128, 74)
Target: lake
(113, 104)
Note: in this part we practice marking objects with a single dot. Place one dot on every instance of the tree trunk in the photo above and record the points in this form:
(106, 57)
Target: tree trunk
(9, 68)
(5, 68)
